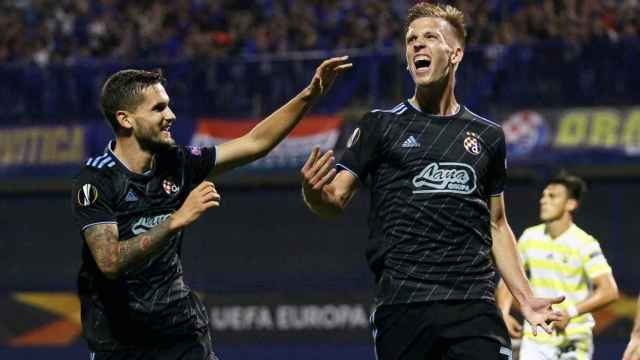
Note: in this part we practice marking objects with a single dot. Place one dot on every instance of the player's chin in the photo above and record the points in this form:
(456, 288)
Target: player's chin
(422, 80)
(163, 143)
(547, 218)
(169, 143)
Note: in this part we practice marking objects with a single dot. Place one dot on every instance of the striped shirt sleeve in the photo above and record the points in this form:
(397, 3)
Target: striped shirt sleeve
(361, 148)
(595, 264)
(91, 200)
(522, 249)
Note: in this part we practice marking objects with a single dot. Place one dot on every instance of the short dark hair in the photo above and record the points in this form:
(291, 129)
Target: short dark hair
(576, 187)
(123, 91)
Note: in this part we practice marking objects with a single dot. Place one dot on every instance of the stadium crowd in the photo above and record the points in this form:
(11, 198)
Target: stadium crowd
(68, 31)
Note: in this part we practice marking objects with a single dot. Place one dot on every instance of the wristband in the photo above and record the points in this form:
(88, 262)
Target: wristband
(572, 311)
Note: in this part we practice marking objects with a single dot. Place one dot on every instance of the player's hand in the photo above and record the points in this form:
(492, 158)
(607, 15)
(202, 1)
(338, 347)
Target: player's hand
(632, 352)
(561, 324)
(513, 326)
(317, 172)
(538, 312)
(203, 197)
(326, 74)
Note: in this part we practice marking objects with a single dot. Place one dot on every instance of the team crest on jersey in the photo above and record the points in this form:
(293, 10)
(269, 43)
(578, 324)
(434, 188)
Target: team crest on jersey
(170, 186)
(353, 138)
(195, 150)
(87, 195)
(472, 144)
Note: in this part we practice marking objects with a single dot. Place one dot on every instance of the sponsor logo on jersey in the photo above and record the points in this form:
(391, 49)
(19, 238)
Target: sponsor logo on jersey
(354, 138)
(451, 177)
(170, 186)
(147, 223)
(506, 352)
(411, 142)
(87, 195)
(472, 144)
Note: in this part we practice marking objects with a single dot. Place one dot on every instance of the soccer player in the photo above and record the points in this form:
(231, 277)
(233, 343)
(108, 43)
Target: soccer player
(632, 352)
(563, 259)
(437, 213)
(132, 205)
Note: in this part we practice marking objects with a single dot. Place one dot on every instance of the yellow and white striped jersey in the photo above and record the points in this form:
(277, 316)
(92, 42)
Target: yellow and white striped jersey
(562, 266)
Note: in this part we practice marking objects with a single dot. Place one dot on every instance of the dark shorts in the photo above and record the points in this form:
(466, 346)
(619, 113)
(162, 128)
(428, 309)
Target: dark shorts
(460, 330)
(198, 349)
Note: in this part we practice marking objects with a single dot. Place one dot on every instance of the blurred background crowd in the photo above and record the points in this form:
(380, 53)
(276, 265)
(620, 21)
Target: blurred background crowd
(69, 31)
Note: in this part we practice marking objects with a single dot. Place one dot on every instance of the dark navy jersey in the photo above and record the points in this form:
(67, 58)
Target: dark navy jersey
(149, 304)
(431, 180)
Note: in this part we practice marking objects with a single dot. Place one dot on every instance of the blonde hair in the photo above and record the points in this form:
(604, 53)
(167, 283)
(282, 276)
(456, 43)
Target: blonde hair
(450, 14)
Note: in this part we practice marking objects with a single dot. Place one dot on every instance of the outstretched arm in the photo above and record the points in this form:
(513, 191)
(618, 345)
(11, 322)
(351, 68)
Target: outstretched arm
(325, 193)
(114, 257)
(633, 348)
(270, 131)
(537, 311)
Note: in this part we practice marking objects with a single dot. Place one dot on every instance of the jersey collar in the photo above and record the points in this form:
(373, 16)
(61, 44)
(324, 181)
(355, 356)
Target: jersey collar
(460, 111)
(148, 174)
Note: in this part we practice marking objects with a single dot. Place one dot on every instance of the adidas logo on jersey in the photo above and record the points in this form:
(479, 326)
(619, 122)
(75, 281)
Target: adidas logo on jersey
(410, 143)
(131, 196)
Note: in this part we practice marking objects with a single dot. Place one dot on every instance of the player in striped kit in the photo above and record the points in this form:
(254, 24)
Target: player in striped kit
(561, 259)
(437, 219)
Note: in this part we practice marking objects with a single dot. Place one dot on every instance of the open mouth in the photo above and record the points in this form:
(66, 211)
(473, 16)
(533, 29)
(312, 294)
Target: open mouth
(421, 62)
(166, 130)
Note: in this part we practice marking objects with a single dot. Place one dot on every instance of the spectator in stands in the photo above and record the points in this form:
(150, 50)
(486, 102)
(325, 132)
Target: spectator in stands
(47, 31)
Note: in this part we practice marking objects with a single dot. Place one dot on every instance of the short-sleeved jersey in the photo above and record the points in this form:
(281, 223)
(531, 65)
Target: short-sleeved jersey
(562, 266)
(149, 304)
(431, 179)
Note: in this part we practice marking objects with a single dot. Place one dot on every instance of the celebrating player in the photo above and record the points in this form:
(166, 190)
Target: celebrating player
(437, 212)
(132, 204)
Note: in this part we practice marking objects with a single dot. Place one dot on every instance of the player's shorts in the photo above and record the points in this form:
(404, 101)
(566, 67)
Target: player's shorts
(452, 330)
(198, 349)
(575, 349)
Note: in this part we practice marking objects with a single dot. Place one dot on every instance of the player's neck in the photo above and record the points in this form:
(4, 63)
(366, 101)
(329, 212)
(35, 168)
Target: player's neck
(435, 100)
(129, 152)
(557, 227)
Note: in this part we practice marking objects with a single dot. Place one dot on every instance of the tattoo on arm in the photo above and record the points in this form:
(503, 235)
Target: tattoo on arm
(113, 257)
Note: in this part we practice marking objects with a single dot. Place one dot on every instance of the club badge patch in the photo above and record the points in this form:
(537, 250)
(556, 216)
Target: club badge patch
(170, 186)
(194, 150)
(353, 138)
(87, 195)
(472, 144)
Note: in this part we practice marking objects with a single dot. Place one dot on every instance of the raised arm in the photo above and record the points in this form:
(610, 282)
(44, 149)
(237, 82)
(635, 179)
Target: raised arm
(537, 311)
(115, 257)
(325, 193)
(270, 131)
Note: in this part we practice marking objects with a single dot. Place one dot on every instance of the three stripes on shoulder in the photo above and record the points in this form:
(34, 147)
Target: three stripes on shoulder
(399, 109)
(101, 161)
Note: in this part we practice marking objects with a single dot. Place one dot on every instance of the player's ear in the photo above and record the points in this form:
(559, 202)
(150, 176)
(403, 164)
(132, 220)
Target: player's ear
(572, 205)
(457, 55)
(124, 119)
